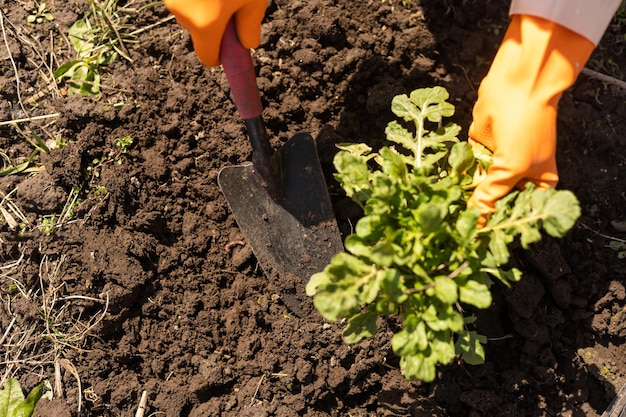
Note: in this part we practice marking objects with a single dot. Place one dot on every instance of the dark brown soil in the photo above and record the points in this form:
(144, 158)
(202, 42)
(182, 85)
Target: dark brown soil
(191, 318)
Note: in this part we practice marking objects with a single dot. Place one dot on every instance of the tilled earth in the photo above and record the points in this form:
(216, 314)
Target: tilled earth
(158, 285)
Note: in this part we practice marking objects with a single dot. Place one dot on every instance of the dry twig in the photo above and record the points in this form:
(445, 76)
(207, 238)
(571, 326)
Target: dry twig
(141, 409)
(29, 119)
(605, 78)
(17, 78)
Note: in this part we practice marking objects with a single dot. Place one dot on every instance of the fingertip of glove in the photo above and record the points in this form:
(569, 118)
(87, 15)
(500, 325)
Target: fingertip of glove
(249, 40)
(208, 55)
(248, 23)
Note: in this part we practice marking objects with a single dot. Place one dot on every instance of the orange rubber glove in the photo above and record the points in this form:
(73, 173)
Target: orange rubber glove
(207, 19)
(515, 114)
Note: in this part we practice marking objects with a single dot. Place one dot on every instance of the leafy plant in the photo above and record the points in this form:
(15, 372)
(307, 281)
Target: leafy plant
(98, 39)
(13, 403)
(417, 252)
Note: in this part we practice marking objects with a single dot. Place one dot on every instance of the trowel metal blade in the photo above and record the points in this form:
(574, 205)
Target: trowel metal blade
(293, 233)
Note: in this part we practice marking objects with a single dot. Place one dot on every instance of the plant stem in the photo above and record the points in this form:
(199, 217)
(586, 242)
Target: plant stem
(420, 132)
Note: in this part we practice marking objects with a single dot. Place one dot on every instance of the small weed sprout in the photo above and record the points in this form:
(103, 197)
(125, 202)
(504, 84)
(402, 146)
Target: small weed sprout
(619, 247)
(48, 224)
(124, 143)
(101, 192)
(39, 14)
(61, 143)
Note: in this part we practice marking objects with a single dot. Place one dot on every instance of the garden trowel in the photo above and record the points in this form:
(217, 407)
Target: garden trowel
(280, 200)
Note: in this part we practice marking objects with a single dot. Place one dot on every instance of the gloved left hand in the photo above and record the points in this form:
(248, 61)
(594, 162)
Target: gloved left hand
(515, 114)
(206, 21)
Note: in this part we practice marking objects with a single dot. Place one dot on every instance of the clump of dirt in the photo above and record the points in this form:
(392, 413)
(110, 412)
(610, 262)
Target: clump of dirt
(192, 320)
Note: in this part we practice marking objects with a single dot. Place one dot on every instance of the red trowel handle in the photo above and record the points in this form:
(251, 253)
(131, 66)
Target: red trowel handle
(237, 64)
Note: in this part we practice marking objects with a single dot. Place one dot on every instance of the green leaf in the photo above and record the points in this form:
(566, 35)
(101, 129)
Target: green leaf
(403, 107)
(433, 103)
(505, 276)
(483, 155)
(443, 138)
(360, 326)
(420, 366)
(443, 348)
(393, 164)
(398, 134)
(356, 245)
(475, 293)
(353, 175)
(383, 254)
(81, 37)
(412, 338)
(442, 318)
(430, 217)
(67, 70)
(342, 287)
(316, 281)
(561, 211)
(470, 346)
(356, 149)
(10, 397)
(15, 169)
(461, 158)
(13, 403)
(498, 245)
(446, 290)
(40, 143)
(107, 57)
(393, 288)
(466, 225)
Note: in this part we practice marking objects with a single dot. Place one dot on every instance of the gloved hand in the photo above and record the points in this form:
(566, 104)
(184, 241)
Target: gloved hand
(207, 19)
(515, 114)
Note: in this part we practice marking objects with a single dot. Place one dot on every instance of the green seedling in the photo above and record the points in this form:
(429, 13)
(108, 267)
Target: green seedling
(124, 143)
(417, 253)
(39, 14)
(48, 224)
(619, 247)
(101, 192)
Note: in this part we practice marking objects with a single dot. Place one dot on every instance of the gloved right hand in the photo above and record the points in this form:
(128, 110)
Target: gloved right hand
(206, 21)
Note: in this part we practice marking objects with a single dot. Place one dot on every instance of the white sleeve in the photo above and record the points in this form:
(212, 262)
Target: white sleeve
(588, 18)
